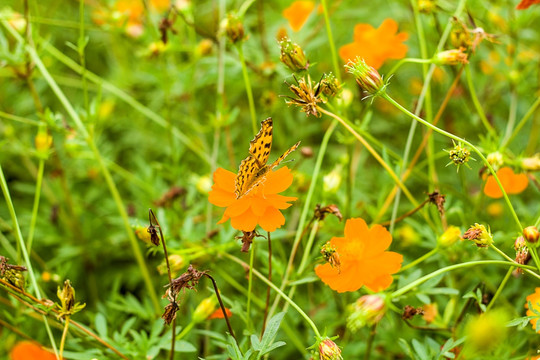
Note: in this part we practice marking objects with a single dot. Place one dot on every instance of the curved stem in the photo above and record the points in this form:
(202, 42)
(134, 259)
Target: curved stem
(250, 287)
(407, 60)
(373, 153)
(500, 288)
(305, 210)
(527, 270)
(249, 92)
(331, 40)
(425, 278)
(477, 104)
(420, 259)
(474, 148)
(521, 123)
(280, 293)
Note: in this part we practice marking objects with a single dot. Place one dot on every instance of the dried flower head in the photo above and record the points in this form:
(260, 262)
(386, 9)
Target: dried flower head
(409, 312)
(170, 312)
(292, 55)
(307, 96)
(12, 273)
(480, 235)
(451, 57)
(321, 212)
(522, 253)
(330, 85)
(187, 280)
(438, 200)
(462, 36)
(154, 238)
(68, 305)
(234, 29)
(247, 238)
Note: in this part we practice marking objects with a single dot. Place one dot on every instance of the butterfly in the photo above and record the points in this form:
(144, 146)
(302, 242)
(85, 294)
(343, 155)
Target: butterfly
(253, 169)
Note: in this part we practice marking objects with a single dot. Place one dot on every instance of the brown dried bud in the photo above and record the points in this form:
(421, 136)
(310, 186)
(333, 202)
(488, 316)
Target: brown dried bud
(234, 29)
(409, 312)
(320, 213)
(306, 151)
(480, 235)
(170, 312)
(438, 199)
(154, 238)
(247, 238)
(187, 280)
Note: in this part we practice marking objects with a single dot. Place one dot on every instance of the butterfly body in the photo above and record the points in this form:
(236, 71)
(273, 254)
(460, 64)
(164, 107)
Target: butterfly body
(253, 169)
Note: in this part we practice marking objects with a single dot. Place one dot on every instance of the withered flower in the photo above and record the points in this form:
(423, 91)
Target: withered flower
(409, 312)
(321, 212)
(187, 280)
(12, 273)
(522, 253)
(307, 96)
(438, 199)
(154, 238)
(247, 238)
(67, 305)
(170, 312)
(480, 235)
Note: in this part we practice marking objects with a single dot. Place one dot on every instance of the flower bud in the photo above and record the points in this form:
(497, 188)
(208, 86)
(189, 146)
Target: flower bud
(459, 155)
(328, 350)
(522, 253)
(426, 6)
(66, 296)
(449, 237)
(367, 77)
(292, 55)
(451, 57)
(531, 234)
(176, 263)
(234, 29)
(204, 47)
(205, 309)
(142, 233)
(480, 235)
(329, 85)
(531, 163)
(368, 310)
(495, 159)
(43, 141)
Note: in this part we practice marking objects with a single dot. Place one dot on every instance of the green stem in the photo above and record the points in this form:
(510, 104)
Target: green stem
(250, 287)
(500, 288)
(105, 171)
(457, 138)
(476, 102)
(305, 257)
(64, 336)
(407, 60)
(521, 123)
(372, 151)
(185, 330)
(425, 278)
(280, 293)
(23, 247)
(420, 259)
(331, 40)
(305, 211)
(247, 83)
(513, 261)
(35, 207)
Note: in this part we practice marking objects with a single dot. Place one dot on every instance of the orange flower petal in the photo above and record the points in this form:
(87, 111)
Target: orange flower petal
(298, 13)
(27, 350)
(279, 201)
(224, 178)
(259, 206)
(534, 299)
(375, 46)
(238, 207)
(245, 221)
(221, 197)
(278, 181)
(272, 219)
(525, 4)
(512, 183)
(363, 259)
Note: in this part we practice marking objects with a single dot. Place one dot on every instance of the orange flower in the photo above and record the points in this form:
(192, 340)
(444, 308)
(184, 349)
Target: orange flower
(375, 46)
(364, 260)
(261, 206)
(511, 182)
(218, 314)
(28, 350)
(298, 13)
(534, 299)
(525, 4)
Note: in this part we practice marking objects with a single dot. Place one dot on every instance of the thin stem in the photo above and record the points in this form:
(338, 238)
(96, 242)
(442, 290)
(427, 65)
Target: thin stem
(64, 336)
(247, 83)
(373, 153)
(511, 116)
(372, 333)
(280, 293)
(476, 102)
(425, 278)
(216, 290)
(305, 211)
(105, 171)
(420, 259)
(407, 60)
(527, 270)
(35, 206)
(250, 286)
(267, 305)
(500, 288)
(521, 123)
(22, 245)
(331, 40)
(457, 138)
